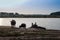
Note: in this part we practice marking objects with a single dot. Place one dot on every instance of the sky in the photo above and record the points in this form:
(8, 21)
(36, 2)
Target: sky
(30, 6)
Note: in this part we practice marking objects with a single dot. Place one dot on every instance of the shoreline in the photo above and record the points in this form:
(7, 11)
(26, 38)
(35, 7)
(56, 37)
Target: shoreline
(28, 34)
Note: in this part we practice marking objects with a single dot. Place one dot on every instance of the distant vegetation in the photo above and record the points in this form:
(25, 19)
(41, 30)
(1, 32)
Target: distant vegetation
(17, 15)
(55, 13)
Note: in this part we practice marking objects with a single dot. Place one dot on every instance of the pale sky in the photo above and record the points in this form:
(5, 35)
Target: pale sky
(30, 6)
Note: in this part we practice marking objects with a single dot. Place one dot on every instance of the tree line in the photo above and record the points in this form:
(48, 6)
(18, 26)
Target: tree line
(17, 15)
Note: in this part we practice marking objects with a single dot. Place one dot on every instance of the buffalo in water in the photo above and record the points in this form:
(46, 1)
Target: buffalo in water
(22, 25)
(36, 26)
(13, 23)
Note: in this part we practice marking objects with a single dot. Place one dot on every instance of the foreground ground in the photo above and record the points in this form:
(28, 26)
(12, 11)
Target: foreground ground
(8, 33)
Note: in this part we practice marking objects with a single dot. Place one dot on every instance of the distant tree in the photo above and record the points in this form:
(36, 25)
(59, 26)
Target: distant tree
(55, 13)
(11, 14)
(16, 14)
(3, 14)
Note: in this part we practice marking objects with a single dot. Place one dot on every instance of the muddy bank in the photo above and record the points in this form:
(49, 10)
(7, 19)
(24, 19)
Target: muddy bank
(29, 38)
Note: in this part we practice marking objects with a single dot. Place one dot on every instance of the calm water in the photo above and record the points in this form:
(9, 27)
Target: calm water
(49, 23)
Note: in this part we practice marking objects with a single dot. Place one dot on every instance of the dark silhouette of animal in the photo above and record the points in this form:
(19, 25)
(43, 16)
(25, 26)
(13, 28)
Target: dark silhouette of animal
(13, 22)
(41, 27)
(23, 25)
(36, 26)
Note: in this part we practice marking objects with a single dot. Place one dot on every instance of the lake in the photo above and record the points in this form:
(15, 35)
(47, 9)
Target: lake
(49, 23)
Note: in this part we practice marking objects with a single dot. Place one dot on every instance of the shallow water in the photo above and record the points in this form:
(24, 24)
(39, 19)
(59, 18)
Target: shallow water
(49, 23)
